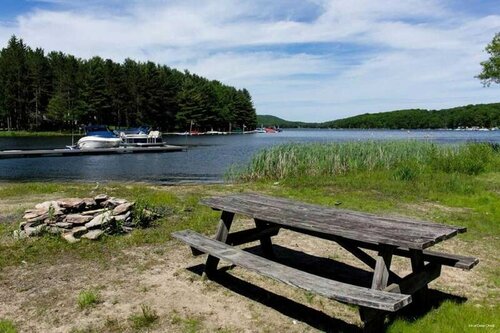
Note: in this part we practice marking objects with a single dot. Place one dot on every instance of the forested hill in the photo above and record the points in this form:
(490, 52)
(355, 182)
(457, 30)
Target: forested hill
(268, 120)
(480, 115)
(55, 90)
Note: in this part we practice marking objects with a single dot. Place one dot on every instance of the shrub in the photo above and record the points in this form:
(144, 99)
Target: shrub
(144, 214)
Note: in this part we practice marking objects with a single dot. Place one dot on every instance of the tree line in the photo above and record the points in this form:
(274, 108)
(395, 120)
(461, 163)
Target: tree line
(57, 91)
(480, 115)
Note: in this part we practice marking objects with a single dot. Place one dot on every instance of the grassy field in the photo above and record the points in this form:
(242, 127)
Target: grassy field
(458, 185)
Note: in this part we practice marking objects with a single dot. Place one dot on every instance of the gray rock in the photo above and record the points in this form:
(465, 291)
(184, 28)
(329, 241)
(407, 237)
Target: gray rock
(54, 219)
(100, 198)
(34, 213)
(93, 234)
(93, 212)
(122, 208)
(55, 230)
(90, 203)
(99, 221)
(47, 204)
(34, 231)
(19, 234)
(22, 225)
(39, 218)
(77, 218)
(71, 203)
(78, 231)
(51, 207)
(127, 229)
(64, 225)
(147, 214)
(69, 237)
(122, 217)
(113, 202)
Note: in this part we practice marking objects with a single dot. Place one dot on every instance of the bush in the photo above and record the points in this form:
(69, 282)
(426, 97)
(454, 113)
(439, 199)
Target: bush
(143, 214)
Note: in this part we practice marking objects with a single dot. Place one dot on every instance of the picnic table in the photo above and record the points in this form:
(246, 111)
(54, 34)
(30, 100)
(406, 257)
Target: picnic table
(354, 231)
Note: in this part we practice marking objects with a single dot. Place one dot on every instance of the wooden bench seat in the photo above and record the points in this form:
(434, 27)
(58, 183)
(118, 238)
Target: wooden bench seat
(445, 259)
(376, 299)
(441, 258)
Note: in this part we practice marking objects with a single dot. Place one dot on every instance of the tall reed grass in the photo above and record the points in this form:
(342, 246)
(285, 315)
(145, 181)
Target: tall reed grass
(406, 158)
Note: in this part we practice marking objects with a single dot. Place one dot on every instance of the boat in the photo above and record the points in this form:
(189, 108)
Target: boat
(140, 136)
(272, 129)
(212, 132)
(98, 137)
(260, 130)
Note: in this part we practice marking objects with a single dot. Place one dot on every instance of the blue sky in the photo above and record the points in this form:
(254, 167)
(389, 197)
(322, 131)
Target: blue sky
(304, 60)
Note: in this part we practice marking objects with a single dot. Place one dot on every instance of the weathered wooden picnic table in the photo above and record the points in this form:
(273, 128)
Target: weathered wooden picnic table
(354, 231)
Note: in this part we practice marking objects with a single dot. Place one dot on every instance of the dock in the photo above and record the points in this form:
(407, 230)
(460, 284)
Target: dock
(79, 152)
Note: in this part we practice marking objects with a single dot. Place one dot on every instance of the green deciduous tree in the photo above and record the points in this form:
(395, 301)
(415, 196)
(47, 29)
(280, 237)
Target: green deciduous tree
(491, 67)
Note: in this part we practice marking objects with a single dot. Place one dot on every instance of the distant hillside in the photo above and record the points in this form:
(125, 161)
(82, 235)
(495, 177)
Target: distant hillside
(268, 120)
(480, 115)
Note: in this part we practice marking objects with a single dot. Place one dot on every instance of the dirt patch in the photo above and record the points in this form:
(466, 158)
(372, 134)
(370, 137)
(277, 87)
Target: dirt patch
(43, 298)
(425, 207)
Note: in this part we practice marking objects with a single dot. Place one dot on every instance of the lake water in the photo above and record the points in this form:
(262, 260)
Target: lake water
(206, 160)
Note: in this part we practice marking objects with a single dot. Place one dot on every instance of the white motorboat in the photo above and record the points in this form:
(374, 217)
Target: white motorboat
(98, 137)
(94, 141)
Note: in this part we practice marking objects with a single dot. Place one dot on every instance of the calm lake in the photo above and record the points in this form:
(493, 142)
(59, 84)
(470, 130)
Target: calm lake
(207, 158)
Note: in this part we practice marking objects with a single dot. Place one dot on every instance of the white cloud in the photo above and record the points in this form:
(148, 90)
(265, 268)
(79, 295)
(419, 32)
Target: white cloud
(395, 54)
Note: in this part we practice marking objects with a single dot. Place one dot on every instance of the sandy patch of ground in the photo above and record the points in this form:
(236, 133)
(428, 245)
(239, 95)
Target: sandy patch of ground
(43, 298)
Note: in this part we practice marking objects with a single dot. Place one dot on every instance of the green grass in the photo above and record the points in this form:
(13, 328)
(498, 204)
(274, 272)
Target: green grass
(451, 317)
(34, 133)
(7, 326)
(88, 298)
(147, 317)
(189, 324)
(179, 212)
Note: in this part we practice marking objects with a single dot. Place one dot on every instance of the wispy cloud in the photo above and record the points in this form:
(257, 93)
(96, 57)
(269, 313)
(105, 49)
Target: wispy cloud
(306, 60)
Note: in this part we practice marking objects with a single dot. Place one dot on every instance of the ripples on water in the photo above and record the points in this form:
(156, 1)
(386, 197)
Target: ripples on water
(206, 160)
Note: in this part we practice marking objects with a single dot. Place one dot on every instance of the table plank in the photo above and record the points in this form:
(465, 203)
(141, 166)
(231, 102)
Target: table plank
(401, 232)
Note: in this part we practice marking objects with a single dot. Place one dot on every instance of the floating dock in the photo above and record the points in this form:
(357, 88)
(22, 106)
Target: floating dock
(97, 151)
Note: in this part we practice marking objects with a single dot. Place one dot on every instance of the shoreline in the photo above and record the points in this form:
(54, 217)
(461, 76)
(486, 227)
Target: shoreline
(28, 134)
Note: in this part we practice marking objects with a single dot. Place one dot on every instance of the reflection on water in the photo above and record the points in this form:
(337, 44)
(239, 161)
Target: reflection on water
(206, 160)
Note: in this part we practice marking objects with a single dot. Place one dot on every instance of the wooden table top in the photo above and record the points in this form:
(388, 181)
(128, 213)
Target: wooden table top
(370, 228)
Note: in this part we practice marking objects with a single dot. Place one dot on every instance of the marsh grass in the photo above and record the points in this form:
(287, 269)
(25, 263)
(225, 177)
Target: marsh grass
(407, 158)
